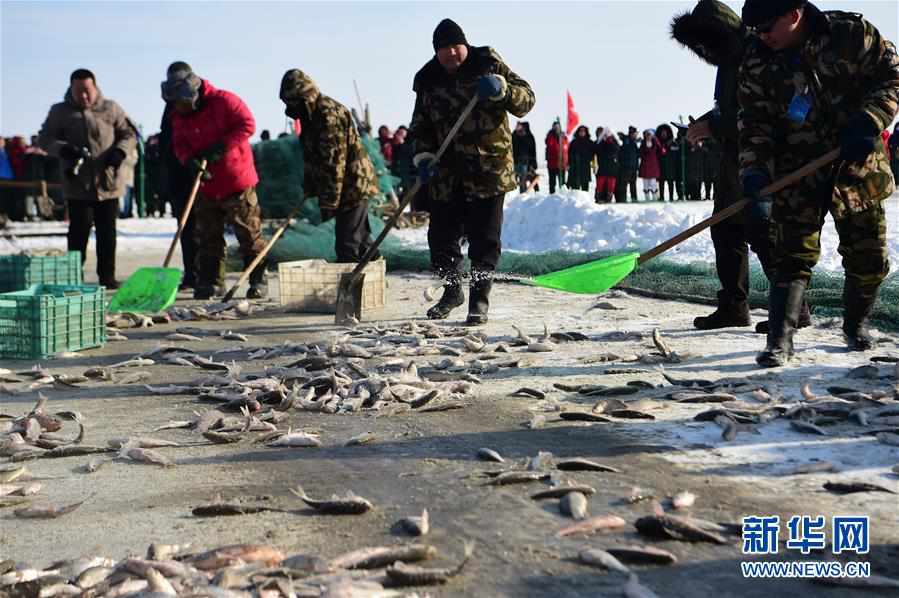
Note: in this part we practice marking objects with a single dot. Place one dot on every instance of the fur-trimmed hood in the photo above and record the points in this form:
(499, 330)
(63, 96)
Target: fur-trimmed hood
(712, 31)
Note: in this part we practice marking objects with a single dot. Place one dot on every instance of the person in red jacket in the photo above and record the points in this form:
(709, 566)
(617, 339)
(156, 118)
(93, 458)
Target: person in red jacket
(556, 161)
(215, 125)
(650, 165)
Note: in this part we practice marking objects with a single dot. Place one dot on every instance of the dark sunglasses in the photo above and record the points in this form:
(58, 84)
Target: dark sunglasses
(765, 28)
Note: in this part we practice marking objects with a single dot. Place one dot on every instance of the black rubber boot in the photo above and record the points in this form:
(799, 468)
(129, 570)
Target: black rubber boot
(785, 302)
(855, 318)
(805, 320)
(452, 298)
(728, 315)
(479, 299)
(258, 283)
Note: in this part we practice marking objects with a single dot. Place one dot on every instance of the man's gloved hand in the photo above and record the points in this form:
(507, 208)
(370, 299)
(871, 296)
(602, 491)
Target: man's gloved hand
(114, 158)
(213, 153)
(858, 138)
(754, 180)
(73, 152)
(327, 213)
(424, 164)
(493, 88)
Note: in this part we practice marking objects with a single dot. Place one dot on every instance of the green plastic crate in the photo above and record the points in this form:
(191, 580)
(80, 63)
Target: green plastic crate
(47, 319)
(18, 272)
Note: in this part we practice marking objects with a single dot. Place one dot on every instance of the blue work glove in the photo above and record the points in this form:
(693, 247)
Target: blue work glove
(493, 88)
(858, 138)
(425, 166)
(754, 180)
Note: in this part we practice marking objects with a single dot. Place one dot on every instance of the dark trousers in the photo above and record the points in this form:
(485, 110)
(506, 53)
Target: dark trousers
(352, 233)
(694, 190)
(554, 175)
(188, 238)
(478, 219)
(710, 189)
(733, 237)
(673, 186)
(83, 215)
(627, 179)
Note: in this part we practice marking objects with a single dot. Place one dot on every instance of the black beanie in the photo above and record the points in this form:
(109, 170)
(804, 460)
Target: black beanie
(448, 33)
(759, 12)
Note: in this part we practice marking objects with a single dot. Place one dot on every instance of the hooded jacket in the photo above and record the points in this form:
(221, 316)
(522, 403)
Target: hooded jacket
(338, 170)
(100, 128)
(524, 147)
(716, 35)
(552, 151)
(220, 117)
(478, 161)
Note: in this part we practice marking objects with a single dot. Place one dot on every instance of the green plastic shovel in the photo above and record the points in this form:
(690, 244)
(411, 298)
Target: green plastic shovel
(151, 290)
(601, 275)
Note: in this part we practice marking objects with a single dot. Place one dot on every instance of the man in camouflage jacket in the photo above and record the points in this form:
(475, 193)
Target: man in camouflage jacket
(468, 185)
(338, 170)
(813, 81)
(716, 34)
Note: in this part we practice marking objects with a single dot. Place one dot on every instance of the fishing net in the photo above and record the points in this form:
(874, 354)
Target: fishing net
(280, 166)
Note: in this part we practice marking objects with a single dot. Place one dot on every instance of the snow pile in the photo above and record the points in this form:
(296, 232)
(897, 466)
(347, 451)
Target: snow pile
(571, 221)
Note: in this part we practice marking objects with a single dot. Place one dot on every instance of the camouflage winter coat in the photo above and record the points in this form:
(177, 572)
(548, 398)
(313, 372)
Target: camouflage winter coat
(479, 160)
(338, 170)
(846, 67)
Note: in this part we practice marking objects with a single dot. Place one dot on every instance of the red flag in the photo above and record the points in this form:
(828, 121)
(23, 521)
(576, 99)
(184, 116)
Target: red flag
(297, 127)
(573, 118)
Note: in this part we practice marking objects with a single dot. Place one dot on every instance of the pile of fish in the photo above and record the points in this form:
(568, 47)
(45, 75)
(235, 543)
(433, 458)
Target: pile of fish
(235, 571)
(232, 310)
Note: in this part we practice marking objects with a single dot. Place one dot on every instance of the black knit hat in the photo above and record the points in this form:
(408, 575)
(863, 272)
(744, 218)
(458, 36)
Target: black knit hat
(448, 33)
(759, 12)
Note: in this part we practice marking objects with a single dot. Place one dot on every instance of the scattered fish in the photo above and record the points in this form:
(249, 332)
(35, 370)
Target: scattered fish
(517, 477)
(634, 589)
(676, 528)
(360, 439)
(46, 512)
(583, 416)
(579, 464)
(410, 575)
(647, 555)
(561, 491)
(148, 456)
(487, 454)
(295, 440)
(416, 526)
(854, 487)
(596, 557)
(593, 525)
(807, 427)
(381, 556)
(349, 504)
(574, 505)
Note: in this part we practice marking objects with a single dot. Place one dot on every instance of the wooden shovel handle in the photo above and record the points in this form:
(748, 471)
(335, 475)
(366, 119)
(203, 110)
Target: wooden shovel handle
(185, 215)
(729, 211)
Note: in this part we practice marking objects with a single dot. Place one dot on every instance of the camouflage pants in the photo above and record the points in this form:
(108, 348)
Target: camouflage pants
(797, 247)
(242, 212)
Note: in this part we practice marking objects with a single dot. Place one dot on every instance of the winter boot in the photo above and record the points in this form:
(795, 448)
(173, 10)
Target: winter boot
(856, 310)
(785, 302)
(479, 298)
(258, 282)
(805, 320)
(452, 298)
(729, 314)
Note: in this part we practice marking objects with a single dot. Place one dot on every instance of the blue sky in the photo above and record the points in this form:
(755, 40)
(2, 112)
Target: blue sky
(615, 57)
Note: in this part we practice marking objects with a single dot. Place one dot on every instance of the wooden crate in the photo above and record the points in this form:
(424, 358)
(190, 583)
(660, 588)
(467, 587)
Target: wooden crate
(311, 285)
